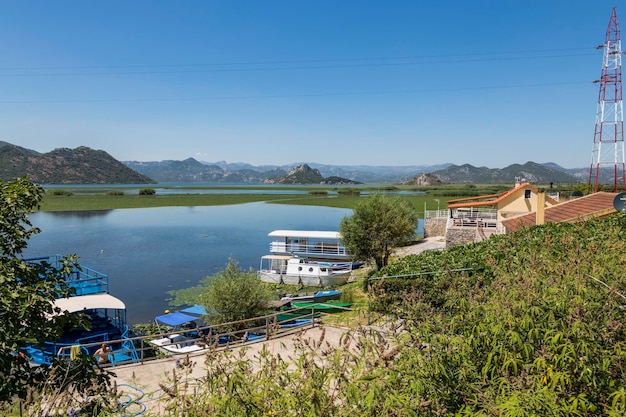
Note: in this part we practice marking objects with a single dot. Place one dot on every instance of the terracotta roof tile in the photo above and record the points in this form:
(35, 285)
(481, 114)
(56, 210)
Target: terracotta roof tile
(491, 199)
(486, 200)
(592, 205)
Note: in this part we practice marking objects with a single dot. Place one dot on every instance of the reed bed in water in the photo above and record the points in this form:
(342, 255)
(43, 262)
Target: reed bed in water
(109, 202)
(69, 201)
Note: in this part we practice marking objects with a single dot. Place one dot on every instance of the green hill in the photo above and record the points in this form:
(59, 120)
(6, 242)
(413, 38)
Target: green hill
(81, 165)
(530, 172)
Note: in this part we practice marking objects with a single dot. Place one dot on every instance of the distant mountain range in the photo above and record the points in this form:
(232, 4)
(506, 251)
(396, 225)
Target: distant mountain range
(84, 165)
(191, 170)
(529, 172)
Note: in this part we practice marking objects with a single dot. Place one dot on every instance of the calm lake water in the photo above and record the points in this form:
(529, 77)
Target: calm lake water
(148, 252)
(197, 188)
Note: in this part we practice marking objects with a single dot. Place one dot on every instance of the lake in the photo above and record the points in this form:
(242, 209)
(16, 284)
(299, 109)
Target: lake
(214, 188)
(148, 252)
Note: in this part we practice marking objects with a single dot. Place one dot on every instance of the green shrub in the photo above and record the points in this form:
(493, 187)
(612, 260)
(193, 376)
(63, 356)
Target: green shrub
(147, 191)
(115, 193)
(60, 192)
(348, 191)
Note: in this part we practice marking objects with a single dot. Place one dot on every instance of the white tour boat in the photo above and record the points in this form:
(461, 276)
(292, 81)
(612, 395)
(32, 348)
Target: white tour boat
(292, 270)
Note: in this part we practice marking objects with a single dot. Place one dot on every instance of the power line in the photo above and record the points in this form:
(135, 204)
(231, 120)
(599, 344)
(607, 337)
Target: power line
(281, 96)
(287, 65)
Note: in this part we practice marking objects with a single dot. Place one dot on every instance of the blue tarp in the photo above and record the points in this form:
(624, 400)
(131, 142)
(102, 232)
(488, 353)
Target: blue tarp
(196, 310)
(175, 319)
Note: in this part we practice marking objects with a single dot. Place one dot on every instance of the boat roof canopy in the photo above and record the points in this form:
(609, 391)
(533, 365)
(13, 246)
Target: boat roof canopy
(89, 302)
(306, 233)
(175, 319)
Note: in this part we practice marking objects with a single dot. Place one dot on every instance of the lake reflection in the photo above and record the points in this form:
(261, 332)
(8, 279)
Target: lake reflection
(147, 252)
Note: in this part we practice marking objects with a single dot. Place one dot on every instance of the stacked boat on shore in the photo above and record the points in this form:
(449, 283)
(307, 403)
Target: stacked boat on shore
(307, 258)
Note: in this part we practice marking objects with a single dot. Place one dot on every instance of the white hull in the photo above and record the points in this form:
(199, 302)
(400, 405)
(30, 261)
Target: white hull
(281, 269)
(305, 280)
(174, 346)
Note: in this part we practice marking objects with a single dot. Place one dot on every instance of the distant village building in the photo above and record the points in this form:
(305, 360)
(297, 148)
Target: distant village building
(475, 219)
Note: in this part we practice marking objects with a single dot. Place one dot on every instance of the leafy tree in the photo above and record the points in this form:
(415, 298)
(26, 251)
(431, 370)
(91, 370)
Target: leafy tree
(234, 294)
(377, 225)
(27, 292)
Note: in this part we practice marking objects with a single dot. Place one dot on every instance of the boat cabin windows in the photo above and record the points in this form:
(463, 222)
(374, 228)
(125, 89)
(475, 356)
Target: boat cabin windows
(310, 244)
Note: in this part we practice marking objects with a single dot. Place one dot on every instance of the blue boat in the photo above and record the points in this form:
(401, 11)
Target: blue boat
(184, 334)
(106, 314)
(316, 297)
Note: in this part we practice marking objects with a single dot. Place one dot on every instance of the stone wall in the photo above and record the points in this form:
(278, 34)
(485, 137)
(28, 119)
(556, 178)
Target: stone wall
(461, 236)
(435, 226)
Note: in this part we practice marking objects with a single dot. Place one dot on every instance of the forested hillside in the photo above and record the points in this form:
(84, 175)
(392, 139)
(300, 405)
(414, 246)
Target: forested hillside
(81, 165)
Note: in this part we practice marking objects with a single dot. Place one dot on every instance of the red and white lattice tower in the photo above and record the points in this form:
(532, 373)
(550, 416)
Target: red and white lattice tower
(608, 138)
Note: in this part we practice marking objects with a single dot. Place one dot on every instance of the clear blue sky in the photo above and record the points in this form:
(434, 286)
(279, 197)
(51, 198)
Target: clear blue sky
(411, 82)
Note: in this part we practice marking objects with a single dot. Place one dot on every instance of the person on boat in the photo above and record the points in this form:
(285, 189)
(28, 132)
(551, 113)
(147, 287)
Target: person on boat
(103, 353)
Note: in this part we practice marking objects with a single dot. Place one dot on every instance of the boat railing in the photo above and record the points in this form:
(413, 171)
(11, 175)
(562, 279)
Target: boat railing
(93, 338)
(122, 350)
(83, 279)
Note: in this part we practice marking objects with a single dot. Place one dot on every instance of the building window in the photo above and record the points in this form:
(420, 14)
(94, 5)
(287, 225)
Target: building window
(527, 194)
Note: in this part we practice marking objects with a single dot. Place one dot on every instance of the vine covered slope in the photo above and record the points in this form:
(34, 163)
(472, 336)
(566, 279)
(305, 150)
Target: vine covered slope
(531, 323)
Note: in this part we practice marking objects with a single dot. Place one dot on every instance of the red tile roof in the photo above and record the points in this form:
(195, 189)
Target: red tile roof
(491, 199)
(593, 205)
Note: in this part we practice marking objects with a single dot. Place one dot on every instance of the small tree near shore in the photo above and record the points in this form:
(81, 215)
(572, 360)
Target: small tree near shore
(234, 294)
(377, 225)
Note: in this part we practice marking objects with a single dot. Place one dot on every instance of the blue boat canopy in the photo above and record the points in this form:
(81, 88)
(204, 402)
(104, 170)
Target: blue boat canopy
(175, 319)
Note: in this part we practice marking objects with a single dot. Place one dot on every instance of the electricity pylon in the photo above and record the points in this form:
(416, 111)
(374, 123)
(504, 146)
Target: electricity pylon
(608, 138)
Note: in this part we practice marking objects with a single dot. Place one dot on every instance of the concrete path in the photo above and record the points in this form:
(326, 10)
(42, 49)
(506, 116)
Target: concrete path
(428, 243)
(143, 383)
(150, 374)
